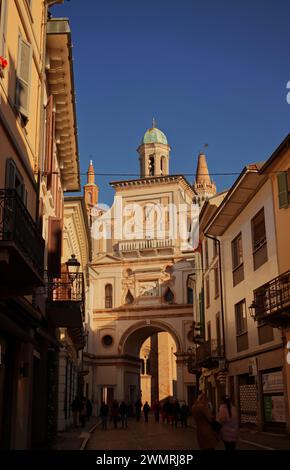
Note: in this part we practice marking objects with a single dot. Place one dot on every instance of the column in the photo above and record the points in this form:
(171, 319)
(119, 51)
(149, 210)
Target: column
(180, 384)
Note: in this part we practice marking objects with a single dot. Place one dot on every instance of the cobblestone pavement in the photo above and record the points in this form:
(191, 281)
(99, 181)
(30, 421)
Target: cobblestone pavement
(149, 436)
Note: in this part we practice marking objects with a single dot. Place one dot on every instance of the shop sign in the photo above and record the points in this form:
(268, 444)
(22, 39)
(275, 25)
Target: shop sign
(253, 369)
(273, 382)
(274, 408)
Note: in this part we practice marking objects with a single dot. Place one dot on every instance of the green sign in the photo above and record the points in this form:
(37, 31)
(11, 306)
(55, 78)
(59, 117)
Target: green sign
(268, 408)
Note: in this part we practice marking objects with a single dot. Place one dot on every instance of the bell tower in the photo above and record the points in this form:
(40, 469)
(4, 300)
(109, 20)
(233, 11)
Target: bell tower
(203, 185)
(154, 153)
(91, 189)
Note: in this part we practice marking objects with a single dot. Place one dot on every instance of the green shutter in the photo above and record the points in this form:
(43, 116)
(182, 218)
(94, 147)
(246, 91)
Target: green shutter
(23, 77)
(283, 194)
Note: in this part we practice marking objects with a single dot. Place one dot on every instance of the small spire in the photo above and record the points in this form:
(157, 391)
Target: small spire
(154, 122)
(91, 173)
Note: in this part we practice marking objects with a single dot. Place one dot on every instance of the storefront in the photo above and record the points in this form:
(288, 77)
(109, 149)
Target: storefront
(274, 410)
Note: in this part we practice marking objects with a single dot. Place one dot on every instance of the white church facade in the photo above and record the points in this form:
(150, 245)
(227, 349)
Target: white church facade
(142, 282)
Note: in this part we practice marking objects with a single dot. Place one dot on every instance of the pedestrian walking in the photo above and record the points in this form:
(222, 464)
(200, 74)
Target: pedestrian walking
(138, 408)
(76, 407)
(83, 412)
(115, 413)
(124, 414)
(207, 438)
(228, 418)
(89, 409)
(175, 412)
(104, 411)
(156, 410)
(165, 411)
(184, 410)
(146, 409)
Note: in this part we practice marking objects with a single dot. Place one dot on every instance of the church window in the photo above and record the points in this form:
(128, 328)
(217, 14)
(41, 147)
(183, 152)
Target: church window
(148, 366)
(162, 165)
(108, 296)
(151, 166)
(169, 296)
(129, 298)
(189, 295)
(107, 340)
(142, 366)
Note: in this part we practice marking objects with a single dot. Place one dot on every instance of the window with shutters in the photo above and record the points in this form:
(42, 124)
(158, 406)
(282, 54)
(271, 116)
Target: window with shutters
(49, 133)
(283, 189)
(207, 292)
(216, 281)
(237, 260)
(259, 240)
(23, 77)
(241, 326)
(108, 296)
(218, 330)
(206, 254)
(14, 180)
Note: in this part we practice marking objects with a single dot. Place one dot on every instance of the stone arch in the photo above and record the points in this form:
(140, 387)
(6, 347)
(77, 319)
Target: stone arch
(133, 338)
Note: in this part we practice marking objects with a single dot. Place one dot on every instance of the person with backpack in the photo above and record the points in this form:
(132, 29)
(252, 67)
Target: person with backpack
(228, 418)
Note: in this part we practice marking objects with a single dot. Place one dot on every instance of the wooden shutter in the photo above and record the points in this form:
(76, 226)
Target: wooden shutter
(283, 193)
(3, 22)
(54, 246)
(49, 136)
(23, 77)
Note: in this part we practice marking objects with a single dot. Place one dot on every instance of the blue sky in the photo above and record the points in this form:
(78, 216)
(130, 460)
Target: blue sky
(209, 71)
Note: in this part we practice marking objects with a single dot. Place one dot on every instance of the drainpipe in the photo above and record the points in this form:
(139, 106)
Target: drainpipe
(221, 288)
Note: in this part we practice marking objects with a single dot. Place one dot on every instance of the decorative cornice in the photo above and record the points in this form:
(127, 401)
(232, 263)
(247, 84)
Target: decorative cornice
(150, 180)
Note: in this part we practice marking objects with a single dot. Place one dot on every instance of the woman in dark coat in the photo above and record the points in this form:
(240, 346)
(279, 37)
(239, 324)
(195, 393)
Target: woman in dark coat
(207, 438)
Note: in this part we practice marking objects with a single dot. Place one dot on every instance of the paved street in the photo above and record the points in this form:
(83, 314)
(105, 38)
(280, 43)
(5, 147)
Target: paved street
(149, 436)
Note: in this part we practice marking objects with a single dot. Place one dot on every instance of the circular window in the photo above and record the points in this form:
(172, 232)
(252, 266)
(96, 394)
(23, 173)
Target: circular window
(107, 340)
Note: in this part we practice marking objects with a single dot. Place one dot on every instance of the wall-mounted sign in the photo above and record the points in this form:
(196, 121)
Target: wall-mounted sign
(273, 382)
(253, 367)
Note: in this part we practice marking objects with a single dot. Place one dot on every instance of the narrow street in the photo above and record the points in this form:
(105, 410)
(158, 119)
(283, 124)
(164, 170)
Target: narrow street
(149, 436)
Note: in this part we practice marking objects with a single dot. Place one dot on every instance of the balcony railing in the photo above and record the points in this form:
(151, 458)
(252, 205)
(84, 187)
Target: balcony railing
(66, 300)
(64, 289)
(18, 227)
(140, 245)
(273, 298)
(210, 352)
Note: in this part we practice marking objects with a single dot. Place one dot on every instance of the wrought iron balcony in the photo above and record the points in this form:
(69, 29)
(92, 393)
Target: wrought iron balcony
(272, 301)
(210, 353)
(21, 245)
(66, 300)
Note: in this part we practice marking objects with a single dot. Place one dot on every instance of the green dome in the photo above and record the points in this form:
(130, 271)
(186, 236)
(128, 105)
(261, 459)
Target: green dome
(154, 136)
